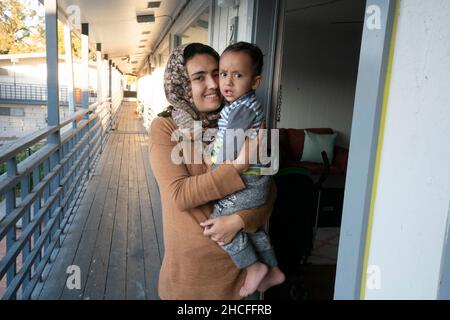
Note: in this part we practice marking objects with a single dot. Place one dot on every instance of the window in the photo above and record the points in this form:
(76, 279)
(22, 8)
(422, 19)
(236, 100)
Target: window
(198, 30)
(17, 112)
(12, 112)
(5, 111)
(4, 72)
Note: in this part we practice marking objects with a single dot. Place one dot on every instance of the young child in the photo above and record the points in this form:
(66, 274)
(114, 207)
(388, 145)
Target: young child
(239, 76)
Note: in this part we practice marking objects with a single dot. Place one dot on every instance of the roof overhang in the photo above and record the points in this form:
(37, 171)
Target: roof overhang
(114, 24)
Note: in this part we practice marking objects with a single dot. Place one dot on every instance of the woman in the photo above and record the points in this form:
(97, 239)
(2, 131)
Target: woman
(194, 266)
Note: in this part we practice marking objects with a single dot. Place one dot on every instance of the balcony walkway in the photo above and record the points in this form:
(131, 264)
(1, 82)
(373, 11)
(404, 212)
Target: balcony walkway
(116, 235)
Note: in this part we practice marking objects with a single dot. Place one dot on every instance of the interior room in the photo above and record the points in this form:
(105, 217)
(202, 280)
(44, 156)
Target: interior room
(319, 67)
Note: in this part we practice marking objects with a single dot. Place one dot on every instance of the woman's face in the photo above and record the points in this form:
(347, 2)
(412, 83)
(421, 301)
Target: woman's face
(203, 72)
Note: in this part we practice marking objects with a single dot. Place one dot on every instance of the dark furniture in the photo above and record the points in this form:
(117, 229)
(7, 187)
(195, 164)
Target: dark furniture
(291, 148)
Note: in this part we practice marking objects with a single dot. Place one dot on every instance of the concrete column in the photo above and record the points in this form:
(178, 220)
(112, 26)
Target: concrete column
(99, 73)
(51, 39)
(85, 64)
(69, 68)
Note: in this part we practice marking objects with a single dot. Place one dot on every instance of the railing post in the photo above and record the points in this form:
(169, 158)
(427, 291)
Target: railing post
(10, 196)
(51, 39)
(64, 170)
(36, 207)
(110, 94)
(99, 90)
(25, 190)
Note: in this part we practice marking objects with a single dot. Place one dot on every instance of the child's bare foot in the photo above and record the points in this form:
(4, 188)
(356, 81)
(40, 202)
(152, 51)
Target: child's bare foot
(274, 277)
(255, 273)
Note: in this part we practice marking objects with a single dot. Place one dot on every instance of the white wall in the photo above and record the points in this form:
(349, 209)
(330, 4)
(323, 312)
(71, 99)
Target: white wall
(34, 117)
(28, 118)
(319, 70)
(34, 71)
(413, 194)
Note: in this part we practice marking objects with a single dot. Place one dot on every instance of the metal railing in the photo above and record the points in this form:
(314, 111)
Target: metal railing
(28, 93)
(50, 182)
(148, 114)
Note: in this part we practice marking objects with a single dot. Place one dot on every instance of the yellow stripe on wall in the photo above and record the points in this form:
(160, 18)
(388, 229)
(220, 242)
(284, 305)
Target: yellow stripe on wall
(387, 87)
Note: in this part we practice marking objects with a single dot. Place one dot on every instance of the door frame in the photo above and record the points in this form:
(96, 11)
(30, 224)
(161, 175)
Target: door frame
(371, 89)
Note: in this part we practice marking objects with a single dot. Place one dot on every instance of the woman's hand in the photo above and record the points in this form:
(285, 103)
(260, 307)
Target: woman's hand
(247, 153)
(223, 229)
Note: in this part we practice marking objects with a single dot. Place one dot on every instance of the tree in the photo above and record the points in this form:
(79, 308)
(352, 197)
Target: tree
(76, 44)
(21, 28)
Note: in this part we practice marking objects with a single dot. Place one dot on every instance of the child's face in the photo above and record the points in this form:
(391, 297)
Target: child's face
(236, 75)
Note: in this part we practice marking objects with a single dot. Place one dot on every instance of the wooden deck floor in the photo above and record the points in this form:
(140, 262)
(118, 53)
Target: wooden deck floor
(115, 237)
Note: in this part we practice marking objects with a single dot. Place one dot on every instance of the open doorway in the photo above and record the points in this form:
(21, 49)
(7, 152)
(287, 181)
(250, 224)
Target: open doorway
(318, 69)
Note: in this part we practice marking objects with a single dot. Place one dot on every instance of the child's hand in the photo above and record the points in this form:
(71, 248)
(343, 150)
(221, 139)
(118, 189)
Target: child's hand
(222, 229)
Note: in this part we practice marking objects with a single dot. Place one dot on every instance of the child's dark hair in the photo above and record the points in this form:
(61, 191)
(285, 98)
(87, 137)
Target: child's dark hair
(199, 48)
(252, 50)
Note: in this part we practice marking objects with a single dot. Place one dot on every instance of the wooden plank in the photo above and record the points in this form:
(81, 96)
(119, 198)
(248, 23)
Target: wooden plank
(155, 198)
(115, 242)
(98, 268)
(87, 244)
(55, 283)
(152, 259)
(135, 250)
(116, 279)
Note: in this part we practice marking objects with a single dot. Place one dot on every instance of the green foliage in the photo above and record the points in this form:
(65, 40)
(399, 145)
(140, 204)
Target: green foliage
(21, 28)
(76, 44)
(19, 158)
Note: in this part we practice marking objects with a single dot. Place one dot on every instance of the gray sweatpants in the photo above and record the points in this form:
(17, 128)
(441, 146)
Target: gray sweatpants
(247, 248)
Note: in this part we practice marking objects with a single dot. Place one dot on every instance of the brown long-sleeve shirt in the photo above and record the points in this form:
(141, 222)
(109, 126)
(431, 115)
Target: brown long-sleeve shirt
(195, 267)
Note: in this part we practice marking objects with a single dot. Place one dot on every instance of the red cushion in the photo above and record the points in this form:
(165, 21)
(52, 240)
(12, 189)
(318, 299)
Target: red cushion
(283, 139)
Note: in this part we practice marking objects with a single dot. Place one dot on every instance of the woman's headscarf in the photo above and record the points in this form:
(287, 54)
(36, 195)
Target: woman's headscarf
(177, 87)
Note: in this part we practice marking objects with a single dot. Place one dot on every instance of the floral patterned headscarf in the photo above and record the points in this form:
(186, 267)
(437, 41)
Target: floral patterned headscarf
(177, 87)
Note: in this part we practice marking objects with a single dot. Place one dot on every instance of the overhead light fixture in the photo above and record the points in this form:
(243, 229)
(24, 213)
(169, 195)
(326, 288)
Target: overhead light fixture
(141, 47)
(153, 4)
(144, 18)
(143, 40)
(202, 24)
(145, 32)
(227, 3)
(133, 62)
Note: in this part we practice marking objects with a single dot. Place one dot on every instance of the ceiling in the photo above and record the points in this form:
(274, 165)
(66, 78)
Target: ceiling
(113, 23)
